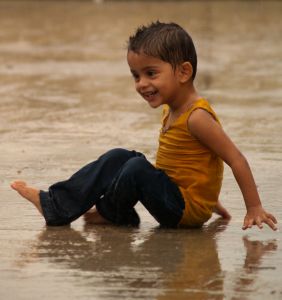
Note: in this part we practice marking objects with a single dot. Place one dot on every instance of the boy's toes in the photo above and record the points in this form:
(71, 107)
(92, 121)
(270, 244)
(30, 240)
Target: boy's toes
(17, 184)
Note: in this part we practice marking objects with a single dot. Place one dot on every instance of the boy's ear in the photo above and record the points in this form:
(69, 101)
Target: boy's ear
(185, 71)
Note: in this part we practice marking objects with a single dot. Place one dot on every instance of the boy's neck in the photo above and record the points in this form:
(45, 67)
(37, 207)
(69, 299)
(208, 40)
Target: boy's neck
(189, 96)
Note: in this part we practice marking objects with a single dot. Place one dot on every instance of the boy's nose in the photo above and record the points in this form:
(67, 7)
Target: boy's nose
(141, 84)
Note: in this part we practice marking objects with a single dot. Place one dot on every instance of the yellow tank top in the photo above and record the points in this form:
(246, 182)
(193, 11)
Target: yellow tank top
(196, 170)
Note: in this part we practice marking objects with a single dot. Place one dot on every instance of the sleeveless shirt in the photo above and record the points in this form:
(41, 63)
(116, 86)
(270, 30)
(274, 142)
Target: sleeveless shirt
(196, 170)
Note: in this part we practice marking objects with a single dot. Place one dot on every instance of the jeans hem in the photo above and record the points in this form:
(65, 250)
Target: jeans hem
(47, 209)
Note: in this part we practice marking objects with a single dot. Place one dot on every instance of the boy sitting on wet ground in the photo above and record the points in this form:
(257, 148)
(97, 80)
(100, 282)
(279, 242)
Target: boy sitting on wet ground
(182, 188)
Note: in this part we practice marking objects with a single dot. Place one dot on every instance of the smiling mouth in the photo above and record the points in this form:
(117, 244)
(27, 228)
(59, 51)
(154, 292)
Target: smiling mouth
(149, 95)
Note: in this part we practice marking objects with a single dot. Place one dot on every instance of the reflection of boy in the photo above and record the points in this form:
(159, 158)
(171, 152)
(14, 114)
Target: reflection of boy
(184, 186)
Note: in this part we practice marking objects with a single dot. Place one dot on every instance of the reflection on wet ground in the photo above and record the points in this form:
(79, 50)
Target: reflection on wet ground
(158, 263)
(67, 96)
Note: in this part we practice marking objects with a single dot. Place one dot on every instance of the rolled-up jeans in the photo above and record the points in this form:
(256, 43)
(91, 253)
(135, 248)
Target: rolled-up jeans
(114, 183)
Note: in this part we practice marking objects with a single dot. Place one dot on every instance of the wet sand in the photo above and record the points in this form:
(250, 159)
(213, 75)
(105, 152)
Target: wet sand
(67, 96)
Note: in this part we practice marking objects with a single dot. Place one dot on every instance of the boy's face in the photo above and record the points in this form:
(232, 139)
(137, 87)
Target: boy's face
(155, 80)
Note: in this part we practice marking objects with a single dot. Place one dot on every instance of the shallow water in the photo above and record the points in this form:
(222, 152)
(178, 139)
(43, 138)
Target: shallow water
(67, 96)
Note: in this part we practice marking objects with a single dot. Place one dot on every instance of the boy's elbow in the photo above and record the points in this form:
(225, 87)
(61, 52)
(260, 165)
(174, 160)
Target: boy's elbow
(238, 161)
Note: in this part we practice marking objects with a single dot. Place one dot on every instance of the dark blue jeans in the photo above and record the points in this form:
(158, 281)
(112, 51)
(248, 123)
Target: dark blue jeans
(115, 182)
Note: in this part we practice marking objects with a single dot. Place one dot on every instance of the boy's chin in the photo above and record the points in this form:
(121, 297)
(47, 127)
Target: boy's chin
(154, 105)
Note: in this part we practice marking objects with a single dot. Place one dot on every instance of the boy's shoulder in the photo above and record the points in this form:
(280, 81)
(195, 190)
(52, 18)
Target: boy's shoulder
(204, 104)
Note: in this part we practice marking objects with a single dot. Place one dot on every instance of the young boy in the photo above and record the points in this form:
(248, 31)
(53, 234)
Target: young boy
(183, 187)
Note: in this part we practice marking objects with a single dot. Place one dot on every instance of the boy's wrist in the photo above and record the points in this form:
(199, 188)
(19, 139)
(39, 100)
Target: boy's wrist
(252, 202)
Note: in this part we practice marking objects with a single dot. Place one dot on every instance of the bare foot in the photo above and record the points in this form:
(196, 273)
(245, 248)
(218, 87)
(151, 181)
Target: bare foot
(28, 192)
(93, 217)
(220, 210)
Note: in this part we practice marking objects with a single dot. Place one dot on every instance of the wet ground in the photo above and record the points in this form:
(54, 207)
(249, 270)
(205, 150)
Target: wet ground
(66, 97)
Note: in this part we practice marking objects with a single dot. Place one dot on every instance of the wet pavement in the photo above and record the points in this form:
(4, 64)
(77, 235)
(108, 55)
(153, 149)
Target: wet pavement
(66, 97)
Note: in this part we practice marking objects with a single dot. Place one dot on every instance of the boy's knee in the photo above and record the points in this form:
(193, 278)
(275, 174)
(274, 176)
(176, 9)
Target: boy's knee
(136, 166)
(121, 155)
(117, 152)
(116, 156)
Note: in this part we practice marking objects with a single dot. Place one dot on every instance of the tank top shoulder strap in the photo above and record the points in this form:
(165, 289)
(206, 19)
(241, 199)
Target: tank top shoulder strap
(165, 112)
(202, 104)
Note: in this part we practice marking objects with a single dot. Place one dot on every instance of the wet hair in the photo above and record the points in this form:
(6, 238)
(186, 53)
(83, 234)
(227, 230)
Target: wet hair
(166, 41)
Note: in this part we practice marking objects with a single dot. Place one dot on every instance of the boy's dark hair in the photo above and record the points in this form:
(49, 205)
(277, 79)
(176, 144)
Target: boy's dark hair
(166, 41)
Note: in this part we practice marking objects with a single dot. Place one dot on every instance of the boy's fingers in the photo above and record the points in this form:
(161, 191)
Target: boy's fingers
(272, 218)
(248, 224)
(244, 227)
(269, 219)
(259, 223)
(271, 224)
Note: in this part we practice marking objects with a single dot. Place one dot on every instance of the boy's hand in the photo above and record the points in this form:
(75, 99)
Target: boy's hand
(256, 215)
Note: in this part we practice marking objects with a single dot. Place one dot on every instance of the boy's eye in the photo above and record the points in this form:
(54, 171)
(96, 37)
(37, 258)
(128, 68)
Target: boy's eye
(135, 76)
(151, 73)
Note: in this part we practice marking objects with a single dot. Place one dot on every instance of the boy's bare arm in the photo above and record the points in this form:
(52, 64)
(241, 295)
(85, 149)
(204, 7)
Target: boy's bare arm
(208, 132)
(256, 215)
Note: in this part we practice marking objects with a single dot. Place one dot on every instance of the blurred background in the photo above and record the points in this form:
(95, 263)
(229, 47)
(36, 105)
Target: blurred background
(67, 96)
